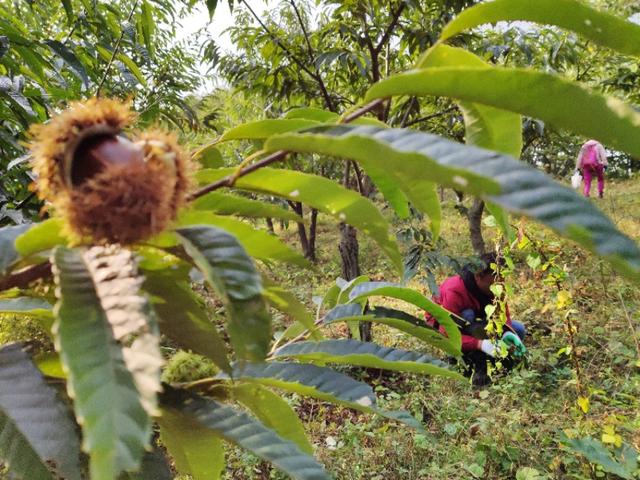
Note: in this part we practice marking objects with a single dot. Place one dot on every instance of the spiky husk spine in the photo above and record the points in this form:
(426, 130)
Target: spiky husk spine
(124, 202)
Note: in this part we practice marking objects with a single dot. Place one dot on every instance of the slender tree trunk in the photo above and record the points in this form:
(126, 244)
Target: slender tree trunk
(270, 225)
(312, 234)
(474, 215)
(349, 252)
(351, 268)
(302, 231)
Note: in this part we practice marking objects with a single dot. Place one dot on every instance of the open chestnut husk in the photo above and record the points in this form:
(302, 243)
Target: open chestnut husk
(107, 186)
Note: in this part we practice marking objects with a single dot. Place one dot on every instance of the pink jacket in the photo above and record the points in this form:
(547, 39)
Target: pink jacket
(455, 297)
(601, 154)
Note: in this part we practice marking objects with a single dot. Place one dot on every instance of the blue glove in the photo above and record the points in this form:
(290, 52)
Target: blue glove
(468, 314)
(513, 341)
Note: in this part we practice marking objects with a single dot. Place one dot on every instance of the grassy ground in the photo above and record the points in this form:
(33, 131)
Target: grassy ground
(513, 428)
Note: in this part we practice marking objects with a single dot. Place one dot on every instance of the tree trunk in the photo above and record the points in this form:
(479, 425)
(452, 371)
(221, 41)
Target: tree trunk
(312, 235)
(349, 252)
(474, 215)
(302, 231)
(270, 225)
(351, 267)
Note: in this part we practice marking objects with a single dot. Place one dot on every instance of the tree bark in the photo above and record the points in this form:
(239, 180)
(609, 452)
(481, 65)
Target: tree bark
(349, 252)
(307, 242)
(312, 235)
(474, 215)
(302, 231)
(270, 225)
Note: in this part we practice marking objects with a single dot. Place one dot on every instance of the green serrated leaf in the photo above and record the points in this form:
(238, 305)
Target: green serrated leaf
(318, 382)
(366, 354)
(115, 276)
(395, 319)
(196, 450)
(68, 9)
(182, 318)
(596, 452)
(262, 129)
(567, 104)
(373, 289)
(323, 194)
(209, 157)
(310, 380)
(286, 302)
(389, 189)
(233, 275)
(601, 27)
(225, 204)
(148, 26)
(35, 308)
(511, 184)
(486, 127)
(133, 68)
(311, 113)
(347, 287)
(28, 305)
(274, 412)
(36, 430)
(259, 243)
(49, 364)
(70, 59)
(115, 426)
(247, 433)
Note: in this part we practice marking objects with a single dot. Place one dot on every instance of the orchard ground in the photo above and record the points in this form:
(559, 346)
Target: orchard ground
(513, 428)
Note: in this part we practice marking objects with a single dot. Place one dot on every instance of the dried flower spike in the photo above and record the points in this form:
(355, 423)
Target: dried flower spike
(107, 186)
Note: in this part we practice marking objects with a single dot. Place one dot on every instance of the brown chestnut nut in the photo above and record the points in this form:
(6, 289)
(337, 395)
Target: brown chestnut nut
(96, 153)
(106, 186)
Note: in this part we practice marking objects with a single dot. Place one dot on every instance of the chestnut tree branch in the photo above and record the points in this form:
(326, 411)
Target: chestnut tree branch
(116, 49)
(273, 158)
(293, 57)
(22, 278)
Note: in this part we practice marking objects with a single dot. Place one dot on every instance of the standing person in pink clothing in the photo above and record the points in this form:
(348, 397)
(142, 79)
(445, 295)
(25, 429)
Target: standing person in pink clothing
(592, 160)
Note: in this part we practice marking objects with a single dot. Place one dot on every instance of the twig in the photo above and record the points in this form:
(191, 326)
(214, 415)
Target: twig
(24, 277)
(431, 116)
(116, 49)
(227, 181)
(295, 339)
(273, 158)
(293, 57)
(73, 29)
(304, 29)
(362, 111)
(25, 200)
(318, 78)
(387, 33)
(405, 116)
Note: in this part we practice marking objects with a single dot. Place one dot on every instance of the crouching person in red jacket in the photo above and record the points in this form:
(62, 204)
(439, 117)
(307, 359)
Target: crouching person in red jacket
(466, 295)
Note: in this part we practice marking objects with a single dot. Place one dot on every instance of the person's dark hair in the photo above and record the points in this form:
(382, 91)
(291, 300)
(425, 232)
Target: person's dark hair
(482, 264)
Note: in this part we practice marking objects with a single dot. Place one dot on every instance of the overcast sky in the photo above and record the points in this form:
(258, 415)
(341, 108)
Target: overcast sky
(222, 19)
